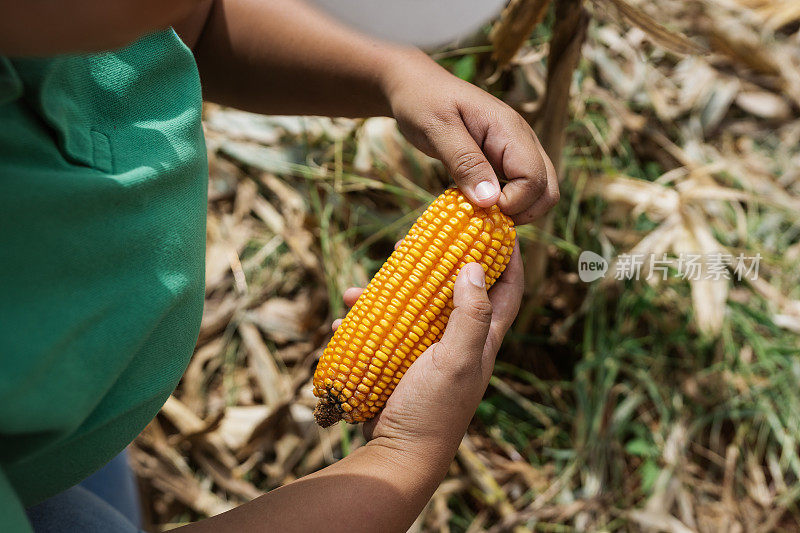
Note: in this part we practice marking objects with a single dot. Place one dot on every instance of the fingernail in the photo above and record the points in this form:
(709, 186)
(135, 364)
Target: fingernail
(485, 190)
(476, 276)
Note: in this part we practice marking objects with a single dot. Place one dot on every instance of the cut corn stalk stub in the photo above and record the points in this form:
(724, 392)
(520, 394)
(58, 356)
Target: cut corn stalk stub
(405, 308)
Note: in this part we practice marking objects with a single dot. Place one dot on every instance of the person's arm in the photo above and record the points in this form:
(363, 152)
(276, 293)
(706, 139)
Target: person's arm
(281, 56)
(48, 27)
(284, 57)
(384, 485)
(375, 488)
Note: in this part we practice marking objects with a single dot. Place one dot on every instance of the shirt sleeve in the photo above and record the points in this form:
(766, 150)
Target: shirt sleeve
(12, 514)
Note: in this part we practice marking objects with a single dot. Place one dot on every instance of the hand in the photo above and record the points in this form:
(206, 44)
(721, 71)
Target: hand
(477, 137)
(432, 405)
(389, 480)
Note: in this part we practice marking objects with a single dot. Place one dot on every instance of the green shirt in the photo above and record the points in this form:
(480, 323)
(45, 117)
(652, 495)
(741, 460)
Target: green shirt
(103, 181)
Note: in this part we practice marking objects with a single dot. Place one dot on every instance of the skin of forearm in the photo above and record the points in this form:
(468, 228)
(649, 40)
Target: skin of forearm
(47, 27)
(283, 57)
(381, 486)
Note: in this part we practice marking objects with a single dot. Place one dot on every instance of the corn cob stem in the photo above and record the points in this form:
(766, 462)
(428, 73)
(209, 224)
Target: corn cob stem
(406, 306)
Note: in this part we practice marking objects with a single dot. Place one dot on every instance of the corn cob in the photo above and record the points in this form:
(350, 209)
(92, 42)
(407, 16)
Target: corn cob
(405, 307)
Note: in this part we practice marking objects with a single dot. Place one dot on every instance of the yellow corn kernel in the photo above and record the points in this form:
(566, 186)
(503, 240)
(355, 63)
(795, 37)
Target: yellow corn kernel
(405, 307)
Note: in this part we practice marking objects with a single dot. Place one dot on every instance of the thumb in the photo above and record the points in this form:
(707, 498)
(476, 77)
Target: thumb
(466, 162)
(462, 345)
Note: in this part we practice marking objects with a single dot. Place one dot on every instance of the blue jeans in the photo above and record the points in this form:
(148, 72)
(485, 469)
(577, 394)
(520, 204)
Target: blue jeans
(106, 501)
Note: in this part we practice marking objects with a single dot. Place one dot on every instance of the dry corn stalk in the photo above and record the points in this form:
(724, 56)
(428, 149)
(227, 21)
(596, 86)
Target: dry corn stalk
(662, 36)
(516, 23)
(405, 307)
